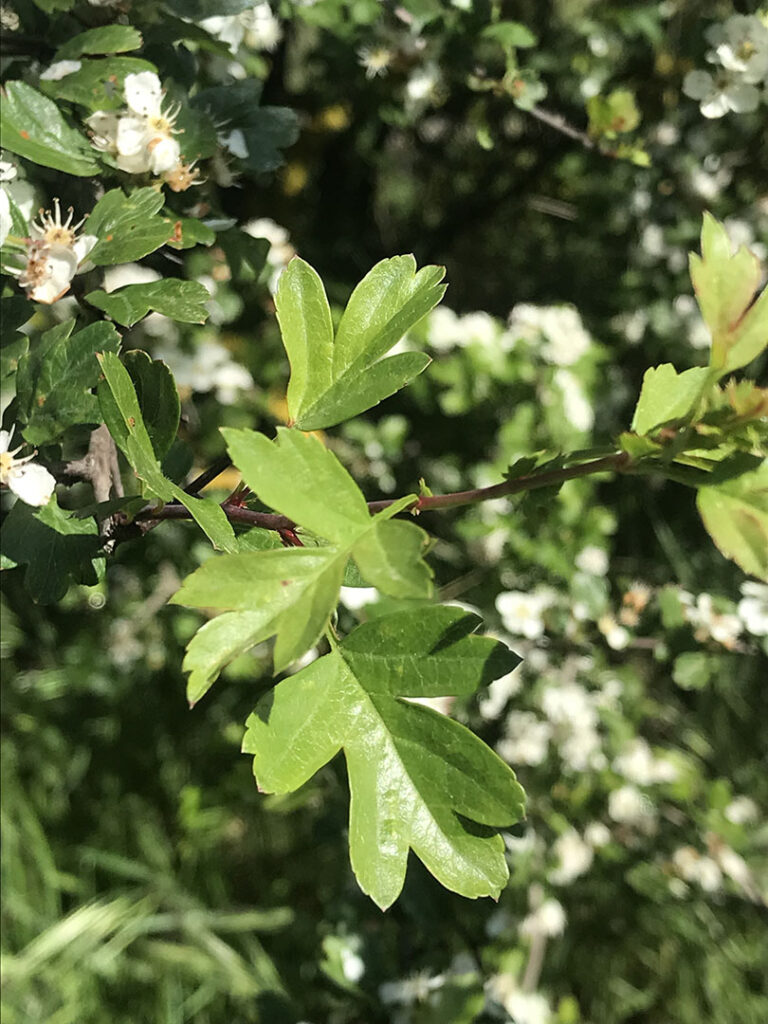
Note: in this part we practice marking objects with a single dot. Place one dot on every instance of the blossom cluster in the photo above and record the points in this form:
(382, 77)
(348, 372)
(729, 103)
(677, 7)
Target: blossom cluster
(141, 137)
(740, 57)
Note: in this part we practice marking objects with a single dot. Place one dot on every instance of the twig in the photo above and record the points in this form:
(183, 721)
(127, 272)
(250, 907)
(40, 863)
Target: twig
(559, 123)
(214, 470)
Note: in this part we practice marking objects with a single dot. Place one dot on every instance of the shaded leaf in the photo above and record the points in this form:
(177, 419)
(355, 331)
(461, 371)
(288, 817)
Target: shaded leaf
(57, 549)
(158, 399)
(56, 376)
(105, 39)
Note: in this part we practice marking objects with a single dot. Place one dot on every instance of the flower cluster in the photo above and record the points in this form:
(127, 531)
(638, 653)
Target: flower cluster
(740, 56)
(256, 28)
(54, 254)
(141, 137)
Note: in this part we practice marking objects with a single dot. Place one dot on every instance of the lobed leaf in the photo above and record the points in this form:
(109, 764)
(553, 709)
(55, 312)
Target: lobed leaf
(335, 378)
(668, 396)
(104, 39)
(127, 227)
(416, 777)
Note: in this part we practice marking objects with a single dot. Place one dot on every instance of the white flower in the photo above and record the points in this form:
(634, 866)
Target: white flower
(262, 28)
(753, 608)
(444, 330)
(55, 253)
(528, 1008)
(719, 95)
(629, 806)
(6, 222)
(616, 636)
(33, 484)
(527, 739)
(548, 920)
(228, 29)
(597, 834)
(522, 613)
(423, 84)
(375, 60)
(724, 628)
(638, 764)
(60, 70)
(143, 94)
(741, 46)
(410, 990)
(741, 810)
(565, 339)
(694, 867)
(577, 409)
(209, 368)
(234, 143)
(592, 560)
(479, 327)
(8, 170)
(574, 856)
(734, 865)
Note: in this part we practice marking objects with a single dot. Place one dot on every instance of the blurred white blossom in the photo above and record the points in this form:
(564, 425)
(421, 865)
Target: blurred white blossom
(497, 695)
(740, 56)
(574, 857)
(559, 328)
(592, 560)
(522, 612)
(753, 608)
(209, 368)
(576, 407)
(695, 867)
(526, 739)
(256, 27)
(628, 806)
(60, 70)
(548, 920)
(741, 810)
(597, 834)
(637, 764)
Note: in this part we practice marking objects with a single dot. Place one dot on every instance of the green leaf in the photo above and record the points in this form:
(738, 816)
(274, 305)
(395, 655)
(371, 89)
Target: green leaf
(56, 376)
(416, 777)
(127, 226)
(97, 84)
(510, 34)
(198, 10)
(332, 379)
(735, 514)
(189, 232)
(33, 127)
(246, 256)
(106, 39)
(296, 590)
(725, 287)
(158, 399)
(667, 396)
(57, 550)
(15, 310)
(266, 130)
(692, 670)
(612, 115)
(123, 416)
(181, 300)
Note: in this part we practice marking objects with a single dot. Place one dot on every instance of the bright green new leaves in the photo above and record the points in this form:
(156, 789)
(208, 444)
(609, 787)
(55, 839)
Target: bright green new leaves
(725, 286)
(294, 474)
(291, 594)
(415, 776)
(667, 396)
(124, 418)
(333, 379)
(183, 301)
(736, 515)
(55, 378)
(32, 126)
(127, 227)
(57, 549)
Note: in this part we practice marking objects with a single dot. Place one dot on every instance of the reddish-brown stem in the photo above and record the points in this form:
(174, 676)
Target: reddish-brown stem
(285, 526)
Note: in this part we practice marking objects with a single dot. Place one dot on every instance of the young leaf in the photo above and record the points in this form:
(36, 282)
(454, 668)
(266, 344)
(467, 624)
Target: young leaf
(127, 226)
(32, 126)
(667, 395)
(55, 378)
(725, 286)
(57, 549)
(735, 514)
(332, 379)
(123, 416)
(181, 300)
(413, 773)
(297, 588)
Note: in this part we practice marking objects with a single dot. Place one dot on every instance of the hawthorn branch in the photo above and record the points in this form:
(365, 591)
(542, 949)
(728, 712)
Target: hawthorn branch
(618, 462)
